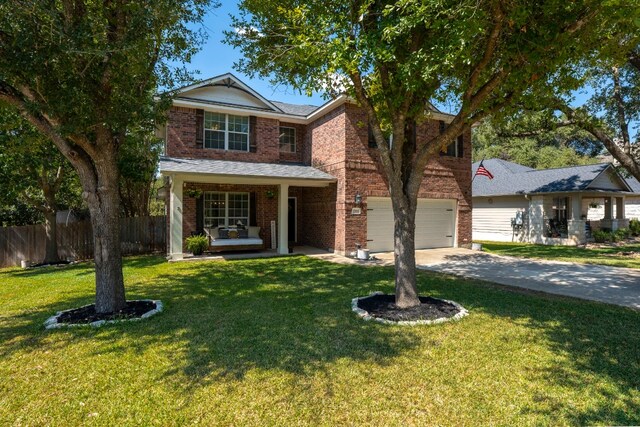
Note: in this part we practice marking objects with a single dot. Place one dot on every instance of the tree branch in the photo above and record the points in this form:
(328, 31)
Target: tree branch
(589, 124)
(490, 48)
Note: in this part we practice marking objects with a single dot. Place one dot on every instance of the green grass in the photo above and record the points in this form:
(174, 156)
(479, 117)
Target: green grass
(274, 342)
(605, 256)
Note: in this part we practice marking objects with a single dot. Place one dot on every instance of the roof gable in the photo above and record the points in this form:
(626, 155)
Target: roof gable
(226, 89)
(609, 179)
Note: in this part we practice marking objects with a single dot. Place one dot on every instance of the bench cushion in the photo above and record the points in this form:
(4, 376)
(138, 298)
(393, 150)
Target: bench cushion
(236, 242)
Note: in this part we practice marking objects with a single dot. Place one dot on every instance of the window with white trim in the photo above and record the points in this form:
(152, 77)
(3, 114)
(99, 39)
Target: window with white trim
(287, 139)
(225, 209)
(226, 132)
(560, 208)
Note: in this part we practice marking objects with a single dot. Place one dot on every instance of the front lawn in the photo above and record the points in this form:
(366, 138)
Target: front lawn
(620, 256)
(274, 342)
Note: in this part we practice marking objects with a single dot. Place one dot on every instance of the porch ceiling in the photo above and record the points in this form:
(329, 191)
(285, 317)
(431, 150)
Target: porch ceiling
(230, 172)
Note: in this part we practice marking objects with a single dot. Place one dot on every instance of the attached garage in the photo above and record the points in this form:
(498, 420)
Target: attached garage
(435, 224)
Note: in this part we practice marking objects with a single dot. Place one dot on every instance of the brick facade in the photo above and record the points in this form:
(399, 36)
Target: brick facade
(181, 140)
(336, 143)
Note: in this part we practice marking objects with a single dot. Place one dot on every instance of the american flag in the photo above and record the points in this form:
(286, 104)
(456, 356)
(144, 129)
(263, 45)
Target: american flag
(483, 171)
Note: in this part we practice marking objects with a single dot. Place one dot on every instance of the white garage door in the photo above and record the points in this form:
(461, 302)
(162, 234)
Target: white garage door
(435, 223)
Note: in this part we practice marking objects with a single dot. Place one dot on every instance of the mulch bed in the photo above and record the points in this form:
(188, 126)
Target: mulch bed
(50, 264)
(87, 314)
(383, 306)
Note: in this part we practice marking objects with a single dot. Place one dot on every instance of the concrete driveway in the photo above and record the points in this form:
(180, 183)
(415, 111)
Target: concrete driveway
(613, 285)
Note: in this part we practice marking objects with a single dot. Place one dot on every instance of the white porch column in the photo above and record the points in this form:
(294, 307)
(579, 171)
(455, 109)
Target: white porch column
(536, 219)
(576, 207)
(283, 219)
(175, 218)
(576, 226)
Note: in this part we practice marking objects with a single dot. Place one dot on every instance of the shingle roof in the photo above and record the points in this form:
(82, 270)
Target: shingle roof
(224, 167)
(294, 109)
(512, 178)
(634, 184)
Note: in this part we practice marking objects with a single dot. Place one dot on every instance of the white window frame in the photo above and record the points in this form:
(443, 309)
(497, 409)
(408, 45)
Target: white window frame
(226, 132)
(226, 207)
(295, 140)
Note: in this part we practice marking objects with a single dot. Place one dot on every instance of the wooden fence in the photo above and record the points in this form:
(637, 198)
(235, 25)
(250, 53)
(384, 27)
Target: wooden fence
(139, 235)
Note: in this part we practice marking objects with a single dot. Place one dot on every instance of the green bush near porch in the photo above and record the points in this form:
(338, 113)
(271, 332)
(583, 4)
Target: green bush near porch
(274, 342)
(197, 244)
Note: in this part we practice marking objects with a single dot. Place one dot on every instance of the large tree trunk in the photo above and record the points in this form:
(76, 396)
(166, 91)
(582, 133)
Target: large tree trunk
(104, 207)
(51, 238)
(404, 252)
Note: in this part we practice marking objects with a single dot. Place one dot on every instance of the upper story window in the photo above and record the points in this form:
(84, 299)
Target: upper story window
(226, 132)
(287, 139)
(455, 149)
(372, 140)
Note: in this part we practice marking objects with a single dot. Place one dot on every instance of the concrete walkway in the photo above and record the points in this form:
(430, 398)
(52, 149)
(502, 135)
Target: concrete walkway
(613, 285)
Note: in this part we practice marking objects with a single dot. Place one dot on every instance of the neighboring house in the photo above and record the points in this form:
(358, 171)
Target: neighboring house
(550, 206)
(300, 173)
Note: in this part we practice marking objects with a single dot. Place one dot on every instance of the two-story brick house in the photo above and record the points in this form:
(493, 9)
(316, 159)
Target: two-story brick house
(301, 173)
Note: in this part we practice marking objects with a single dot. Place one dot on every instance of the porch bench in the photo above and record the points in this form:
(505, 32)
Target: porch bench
(245, 244)
(221, 244)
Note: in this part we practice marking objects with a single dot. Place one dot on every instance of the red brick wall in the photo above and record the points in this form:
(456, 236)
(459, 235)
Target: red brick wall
(318, 213)
(181, 140)
(324, 207)
(444, 178)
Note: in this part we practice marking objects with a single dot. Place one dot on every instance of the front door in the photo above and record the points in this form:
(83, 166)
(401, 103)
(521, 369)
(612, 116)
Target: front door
(293, 236)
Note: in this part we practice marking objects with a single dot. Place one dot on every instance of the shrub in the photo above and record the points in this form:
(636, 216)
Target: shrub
(623, 233)
(601, 236)
(634, 227)
(197, 244)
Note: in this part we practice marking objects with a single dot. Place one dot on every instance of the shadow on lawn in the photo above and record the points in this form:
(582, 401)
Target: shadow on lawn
(290, 314)
(294, 315)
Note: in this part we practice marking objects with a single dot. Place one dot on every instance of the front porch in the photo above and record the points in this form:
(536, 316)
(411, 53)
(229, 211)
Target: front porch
(569, 219)
(268, 200)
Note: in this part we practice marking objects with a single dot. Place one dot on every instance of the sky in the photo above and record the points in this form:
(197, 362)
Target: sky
(217, 58)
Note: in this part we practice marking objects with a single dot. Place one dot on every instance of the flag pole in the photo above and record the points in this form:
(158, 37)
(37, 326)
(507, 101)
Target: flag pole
(476, 174)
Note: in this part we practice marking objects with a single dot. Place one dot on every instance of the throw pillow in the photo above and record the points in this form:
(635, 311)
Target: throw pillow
(243, 234)
(223, 233)
(254, 232)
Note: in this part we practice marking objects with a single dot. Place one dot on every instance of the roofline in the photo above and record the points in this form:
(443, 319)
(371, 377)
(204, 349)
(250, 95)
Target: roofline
(239, 109)
(231, 76)
(553, 192)
(238, 175)
(327, 106)
(301, 119)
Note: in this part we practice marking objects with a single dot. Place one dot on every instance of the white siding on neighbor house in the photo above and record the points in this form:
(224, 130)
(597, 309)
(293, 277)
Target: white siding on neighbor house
(225, 95)
(631, 208)
(492, 221)
(607, 181)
